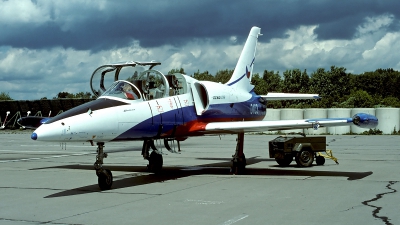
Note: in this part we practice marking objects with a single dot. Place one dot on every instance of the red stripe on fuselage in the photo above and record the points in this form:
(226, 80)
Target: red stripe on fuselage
(198, 127)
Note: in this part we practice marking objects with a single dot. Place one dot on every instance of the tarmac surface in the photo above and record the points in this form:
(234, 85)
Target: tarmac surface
(44, 183)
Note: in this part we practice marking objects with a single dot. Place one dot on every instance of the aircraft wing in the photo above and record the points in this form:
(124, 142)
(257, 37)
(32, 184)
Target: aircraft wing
(260, 126)
(289, 96)
(362, 120)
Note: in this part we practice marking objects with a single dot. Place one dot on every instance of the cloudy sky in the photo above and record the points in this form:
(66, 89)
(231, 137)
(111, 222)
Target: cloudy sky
(49, 46)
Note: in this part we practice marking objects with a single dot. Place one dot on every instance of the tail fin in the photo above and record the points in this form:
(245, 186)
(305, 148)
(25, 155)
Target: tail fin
(241, 77)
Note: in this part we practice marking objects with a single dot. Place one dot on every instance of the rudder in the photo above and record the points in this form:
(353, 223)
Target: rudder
(241, 77)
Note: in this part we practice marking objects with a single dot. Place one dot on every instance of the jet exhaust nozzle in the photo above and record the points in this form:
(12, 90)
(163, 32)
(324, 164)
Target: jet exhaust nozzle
(365, 120)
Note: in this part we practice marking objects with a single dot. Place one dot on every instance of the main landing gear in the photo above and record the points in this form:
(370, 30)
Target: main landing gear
(239, 159)
(155, 158)
(105, 177)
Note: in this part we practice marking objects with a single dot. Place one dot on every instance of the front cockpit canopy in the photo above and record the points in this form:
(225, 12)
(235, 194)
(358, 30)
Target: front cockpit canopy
(144, 82)
(138, 77)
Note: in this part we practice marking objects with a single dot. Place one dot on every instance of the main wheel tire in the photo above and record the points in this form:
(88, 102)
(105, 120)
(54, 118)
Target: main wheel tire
(105, 181)
(239, 167)
(285, 161)
(320, 160)
(305, 158)
(155, 162)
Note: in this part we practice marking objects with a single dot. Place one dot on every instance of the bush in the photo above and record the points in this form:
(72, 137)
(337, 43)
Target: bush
(373, 132)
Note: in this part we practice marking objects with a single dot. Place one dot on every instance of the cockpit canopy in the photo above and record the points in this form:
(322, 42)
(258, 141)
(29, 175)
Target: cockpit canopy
(123, 89)
(135, 80)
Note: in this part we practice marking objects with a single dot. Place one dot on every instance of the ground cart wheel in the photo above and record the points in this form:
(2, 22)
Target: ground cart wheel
(320, 160)
(285, 161)
(305, 158)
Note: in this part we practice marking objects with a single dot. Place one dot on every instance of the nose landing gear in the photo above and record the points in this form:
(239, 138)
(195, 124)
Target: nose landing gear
(105, 177)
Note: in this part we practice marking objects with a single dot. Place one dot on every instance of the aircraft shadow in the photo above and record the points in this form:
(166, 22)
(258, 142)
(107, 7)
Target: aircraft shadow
(142, 177)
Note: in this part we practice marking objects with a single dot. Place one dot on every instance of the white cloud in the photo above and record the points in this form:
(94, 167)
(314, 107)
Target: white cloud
(233, 39)
(33, 74)
(374, 24)
(371, 48)
(22, 11)
(386, 51)
(64, 13)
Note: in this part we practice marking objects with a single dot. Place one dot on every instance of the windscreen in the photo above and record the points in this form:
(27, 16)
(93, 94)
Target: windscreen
(123, 89)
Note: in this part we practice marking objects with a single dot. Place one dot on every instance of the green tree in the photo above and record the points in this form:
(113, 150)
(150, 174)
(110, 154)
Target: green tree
(390, 102)
(223, 76)
(64, 95)
(260, 86)
(304, 82)
(203, 76)
(358, 99)
(382, 82)
(85, 95)
(295, 81)
(332, 85)
(5, 96)
(181, 70)
(273, 81)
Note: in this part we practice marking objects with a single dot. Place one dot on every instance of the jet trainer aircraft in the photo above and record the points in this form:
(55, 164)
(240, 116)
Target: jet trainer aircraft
(142, 104)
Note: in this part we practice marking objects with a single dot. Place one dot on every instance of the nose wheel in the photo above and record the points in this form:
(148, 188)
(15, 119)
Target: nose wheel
(104, 176)
(104, 179)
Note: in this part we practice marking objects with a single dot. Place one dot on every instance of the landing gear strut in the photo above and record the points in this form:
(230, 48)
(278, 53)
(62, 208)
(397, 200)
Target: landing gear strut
(105, 178)
(239, 159)
(155, 158)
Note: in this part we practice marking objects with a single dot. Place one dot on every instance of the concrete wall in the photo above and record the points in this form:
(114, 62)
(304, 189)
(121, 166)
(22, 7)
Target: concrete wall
(388, 119)
(292, 114)
(339, 113)
(315, 114)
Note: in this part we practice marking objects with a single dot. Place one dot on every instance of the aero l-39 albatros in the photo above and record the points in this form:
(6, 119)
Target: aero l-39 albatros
(142, 104)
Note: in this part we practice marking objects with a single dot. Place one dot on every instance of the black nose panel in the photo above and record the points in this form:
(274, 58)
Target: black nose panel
(97, 104)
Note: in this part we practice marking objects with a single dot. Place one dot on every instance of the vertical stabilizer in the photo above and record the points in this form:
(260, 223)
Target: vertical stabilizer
(241, 77)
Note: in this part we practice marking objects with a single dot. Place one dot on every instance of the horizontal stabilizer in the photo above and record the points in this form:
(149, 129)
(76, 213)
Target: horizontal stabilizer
(289, 96)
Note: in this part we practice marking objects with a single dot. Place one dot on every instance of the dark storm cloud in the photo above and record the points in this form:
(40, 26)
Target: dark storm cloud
(156, 23)
(340, 20)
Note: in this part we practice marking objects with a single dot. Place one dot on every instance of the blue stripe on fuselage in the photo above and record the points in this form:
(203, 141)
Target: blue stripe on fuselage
(251, 109)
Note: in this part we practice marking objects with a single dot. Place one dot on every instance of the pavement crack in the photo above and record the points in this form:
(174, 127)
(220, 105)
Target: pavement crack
(377, 208)
(32, 188)
(33, 222)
